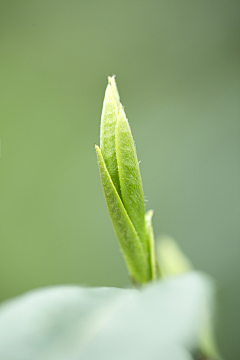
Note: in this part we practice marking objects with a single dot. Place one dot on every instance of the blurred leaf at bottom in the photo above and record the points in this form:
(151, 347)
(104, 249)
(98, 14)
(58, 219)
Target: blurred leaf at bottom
(163, 320)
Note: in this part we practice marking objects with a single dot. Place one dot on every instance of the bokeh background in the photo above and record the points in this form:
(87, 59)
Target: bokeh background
(177, 68)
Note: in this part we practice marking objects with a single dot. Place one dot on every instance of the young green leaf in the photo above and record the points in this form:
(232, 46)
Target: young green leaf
(132, 249)
(129, 176)
(108, 126)
(123, 190)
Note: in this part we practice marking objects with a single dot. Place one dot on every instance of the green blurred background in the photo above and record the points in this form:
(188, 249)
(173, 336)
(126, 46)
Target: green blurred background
(177, 67)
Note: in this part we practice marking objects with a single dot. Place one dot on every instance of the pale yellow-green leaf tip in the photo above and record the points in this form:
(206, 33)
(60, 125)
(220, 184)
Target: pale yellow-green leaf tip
(112, 84)
(172, 259)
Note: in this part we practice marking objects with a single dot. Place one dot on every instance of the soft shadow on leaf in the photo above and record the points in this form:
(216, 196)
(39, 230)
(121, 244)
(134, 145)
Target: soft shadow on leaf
(161, 321)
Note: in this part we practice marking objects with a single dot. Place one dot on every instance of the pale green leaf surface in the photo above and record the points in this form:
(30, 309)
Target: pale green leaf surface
(129, 176)
(132, 249)
(107, 133)
(160, 321)
(56, 322)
